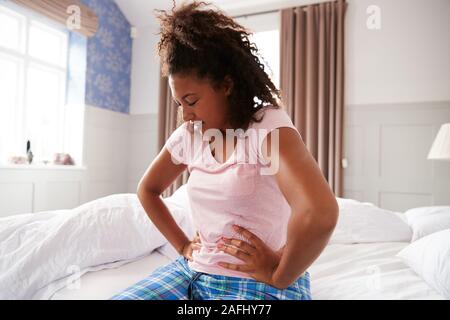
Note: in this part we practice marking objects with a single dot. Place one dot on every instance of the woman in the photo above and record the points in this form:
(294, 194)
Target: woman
(261, 206)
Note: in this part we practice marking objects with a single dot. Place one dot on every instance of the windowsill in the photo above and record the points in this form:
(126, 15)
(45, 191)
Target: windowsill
(39, 167)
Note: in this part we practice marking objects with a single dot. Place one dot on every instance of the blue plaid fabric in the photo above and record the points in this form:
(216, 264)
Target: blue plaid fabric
(176, 281)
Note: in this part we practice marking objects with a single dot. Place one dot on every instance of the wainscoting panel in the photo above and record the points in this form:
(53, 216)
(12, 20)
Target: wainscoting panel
(38, 188)
(143, 147)
(386, 146)
(63, 194)
(16, 198)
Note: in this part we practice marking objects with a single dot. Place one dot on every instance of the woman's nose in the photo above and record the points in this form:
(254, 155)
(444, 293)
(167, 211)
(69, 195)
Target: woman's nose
(188, 116)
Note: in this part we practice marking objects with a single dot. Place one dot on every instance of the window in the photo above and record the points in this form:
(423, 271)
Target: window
(266, 36)
(33, 64)
(268, 43)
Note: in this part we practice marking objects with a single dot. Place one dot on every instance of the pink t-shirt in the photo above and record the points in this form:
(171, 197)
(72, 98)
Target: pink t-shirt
(238, 191)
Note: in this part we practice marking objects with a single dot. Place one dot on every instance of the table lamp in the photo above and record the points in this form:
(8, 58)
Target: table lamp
(440, 150)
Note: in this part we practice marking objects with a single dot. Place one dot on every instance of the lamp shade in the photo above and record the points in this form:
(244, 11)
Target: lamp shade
(441, 146)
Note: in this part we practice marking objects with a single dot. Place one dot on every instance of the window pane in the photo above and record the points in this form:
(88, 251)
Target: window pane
(48, 44)
(11, 29)
(44, 104)
(268, 43)
(10, 84)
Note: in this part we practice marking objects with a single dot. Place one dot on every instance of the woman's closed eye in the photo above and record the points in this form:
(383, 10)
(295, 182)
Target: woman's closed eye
(189, 104)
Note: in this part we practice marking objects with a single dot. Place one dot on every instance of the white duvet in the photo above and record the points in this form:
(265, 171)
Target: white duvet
(40, 253)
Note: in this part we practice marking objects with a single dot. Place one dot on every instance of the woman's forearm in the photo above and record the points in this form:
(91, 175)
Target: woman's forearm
(161, 217)
(308, 234)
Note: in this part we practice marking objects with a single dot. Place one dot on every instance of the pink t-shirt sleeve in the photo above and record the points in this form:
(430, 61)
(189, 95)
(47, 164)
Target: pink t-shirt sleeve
(274, 118)
(176, 144)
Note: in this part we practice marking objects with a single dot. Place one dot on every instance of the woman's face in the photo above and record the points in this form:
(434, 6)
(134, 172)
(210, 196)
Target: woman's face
(200, 101)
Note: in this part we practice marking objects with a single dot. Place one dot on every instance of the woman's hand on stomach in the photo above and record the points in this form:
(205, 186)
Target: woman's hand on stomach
(260, 261)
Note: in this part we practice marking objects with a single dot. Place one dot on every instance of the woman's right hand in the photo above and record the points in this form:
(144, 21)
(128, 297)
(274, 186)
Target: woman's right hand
(189, 247)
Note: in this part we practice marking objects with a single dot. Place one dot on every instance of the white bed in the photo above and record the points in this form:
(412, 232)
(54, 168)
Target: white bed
(112, 244)
(349, 271)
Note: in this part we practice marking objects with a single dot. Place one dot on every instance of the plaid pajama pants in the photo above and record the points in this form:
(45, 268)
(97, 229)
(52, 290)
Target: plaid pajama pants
(176, 281)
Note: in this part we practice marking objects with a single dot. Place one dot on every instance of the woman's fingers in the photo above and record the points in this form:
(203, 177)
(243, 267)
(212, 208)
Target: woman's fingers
(234, 251)
(242, 245)
(252, 238)
(197, 238)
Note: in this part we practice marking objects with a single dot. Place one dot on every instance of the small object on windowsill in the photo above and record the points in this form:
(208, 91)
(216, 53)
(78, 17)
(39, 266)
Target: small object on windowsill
(18, 160)
(63, 159)
(29, 153)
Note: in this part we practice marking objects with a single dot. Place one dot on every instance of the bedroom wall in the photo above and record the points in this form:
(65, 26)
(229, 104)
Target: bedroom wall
(108, 94)
(144, 104)
(106, 146)
(397, 96)
(404, 61)
(145, 72)
(108, 90)
(142, 147)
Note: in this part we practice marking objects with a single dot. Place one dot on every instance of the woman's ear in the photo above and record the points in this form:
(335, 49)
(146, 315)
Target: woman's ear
(228, 85)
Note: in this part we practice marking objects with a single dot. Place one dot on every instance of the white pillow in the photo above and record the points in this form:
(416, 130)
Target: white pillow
(363, 222)
(426, 220)
(429, 257)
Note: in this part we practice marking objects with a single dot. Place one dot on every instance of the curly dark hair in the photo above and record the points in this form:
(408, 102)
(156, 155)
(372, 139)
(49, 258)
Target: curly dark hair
(212, 45)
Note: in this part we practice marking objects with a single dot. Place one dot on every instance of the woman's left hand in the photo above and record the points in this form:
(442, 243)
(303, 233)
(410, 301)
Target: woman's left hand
(260, 260)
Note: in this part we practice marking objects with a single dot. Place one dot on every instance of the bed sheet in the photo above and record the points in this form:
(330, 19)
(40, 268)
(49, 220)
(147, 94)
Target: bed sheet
(103, 284)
